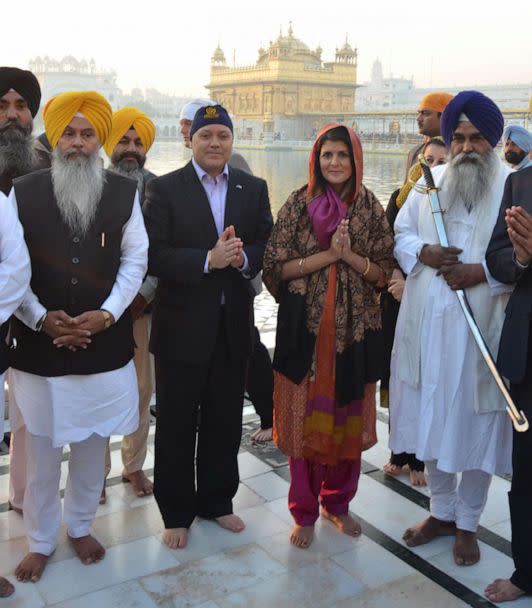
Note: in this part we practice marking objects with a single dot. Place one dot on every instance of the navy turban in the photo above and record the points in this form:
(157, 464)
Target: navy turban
(520, 136)
(210, 115)
(24, 83)
(480, 110)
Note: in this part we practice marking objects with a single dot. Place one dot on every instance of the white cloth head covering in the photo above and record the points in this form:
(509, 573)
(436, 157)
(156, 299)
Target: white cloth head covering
(188, 111)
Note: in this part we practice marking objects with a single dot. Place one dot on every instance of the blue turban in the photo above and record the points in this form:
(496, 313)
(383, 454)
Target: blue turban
(211, 115)
(480, 110)
(520, 136)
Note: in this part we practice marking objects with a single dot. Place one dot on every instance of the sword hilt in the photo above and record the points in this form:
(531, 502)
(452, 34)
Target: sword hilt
(427, 173)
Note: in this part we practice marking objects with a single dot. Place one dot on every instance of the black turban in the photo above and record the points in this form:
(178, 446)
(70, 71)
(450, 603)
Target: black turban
(24, 83)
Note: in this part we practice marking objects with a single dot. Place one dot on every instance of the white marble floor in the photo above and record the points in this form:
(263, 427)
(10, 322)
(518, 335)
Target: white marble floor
(259, 568)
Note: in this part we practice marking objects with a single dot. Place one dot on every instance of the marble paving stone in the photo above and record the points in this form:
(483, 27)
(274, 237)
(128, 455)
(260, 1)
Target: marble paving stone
(128, 525)
(411, 591)
(372, 565)
(207, 537)
(321, 584)
(280, 508)
(11, 525)
(492, 565)
(504, 529)
(127, 595)
(11, 553)
(268, 485)
(121, 563)
(207, 579)
(250, 466)
(26, 596)
(274, 593)
(246, 498)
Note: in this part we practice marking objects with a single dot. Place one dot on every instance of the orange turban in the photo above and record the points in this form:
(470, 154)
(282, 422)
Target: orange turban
(435, 101)
(62, 108)
(130, 118)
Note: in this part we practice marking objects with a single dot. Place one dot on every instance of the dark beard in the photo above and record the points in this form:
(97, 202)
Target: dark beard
(514, 158)
(121, 165)
(17, 154)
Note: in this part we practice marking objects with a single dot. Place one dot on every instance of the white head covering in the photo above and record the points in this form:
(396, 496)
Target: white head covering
(188, 111)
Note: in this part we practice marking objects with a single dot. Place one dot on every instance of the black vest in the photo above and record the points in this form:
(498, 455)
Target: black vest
(74, 274)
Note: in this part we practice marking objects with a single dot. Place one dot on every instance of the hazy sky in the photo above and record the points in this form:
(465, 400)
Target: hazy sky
(169, 45)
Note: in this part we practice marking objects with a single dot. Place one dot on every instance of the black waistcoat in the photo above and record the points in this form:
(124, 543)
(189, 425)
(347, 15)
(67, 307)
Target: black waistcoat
(74, 274)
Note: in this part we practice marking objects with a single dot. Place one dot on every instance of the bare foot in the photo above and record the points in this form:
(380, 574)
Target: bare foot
(230, 522)
(16, 509)
(417, 478)
(262, 435)
(6, 588)
(466, 550)
(175, 538)
(301, 536)
(31, 567)
(142, 486)
(503, 590)
(88, 549)
(103, 496)
(392, 469)
(428, 530)
(345, 523)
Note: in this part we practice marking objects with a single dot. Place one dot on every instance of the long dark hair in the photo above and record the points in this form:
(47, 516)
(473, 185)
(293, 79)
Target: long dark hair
(336, 134)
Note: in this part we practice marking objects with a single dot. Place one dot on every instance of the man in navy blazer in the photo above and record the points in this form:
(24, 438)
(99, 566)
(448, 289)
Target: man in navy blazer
(208, 225)
(509, 259)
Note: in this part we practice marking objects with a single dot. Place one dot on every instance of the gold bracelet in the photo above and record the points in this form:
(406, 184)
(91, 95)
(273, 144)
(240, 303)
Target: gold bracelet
(209, 267)
(368, 266)
(301, 265)
(108, 319)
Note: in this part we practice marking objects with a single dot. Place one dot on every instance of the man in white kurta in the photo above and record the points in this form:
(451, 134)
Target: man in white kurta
(14, 280)
(445, 406)
(73, 377)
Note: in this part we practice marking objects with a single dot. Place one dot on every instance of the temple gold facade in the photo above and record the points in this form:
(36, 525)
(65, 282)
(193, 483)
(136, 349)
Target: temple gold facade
(289, 93)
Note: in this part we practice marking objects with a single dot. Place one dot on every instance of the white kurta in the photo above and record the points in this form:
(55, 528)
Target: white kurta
(435, 417)
(70, 408)
(15, 272)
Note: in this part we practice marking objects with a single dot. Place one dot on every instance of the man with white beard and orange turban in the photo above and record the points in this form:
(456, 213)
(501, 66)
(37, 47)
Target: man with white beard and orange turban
(73, 377)
(132, 136)
(447, 407)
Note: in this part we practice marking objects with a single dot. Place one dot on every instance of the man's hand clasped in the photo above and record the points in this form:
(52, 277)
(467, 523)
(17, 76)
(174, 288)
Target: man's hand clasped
(519, 224)
(228, 251)
(73, 332)
(456, 274)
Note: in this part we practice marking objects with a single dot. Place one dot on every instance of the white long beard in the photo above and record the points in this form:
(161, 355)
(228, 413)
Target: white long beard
(469, 177)
(78, 185)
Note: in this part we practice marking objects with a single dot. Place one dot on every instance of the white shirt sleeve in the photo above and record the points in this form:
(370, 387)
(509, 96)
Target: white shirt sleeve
(15, 267)
(133, 263)
(496, 287)
(408, 243)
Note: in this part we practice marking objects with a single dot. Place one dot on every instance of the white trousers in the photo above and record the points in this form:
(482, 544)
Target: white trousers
(17, 467)
(461, 502)
(42, 504)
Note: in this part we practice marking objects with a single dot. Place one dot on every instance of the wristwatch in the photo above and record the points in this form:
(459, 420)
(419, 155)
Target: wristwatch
(107, 317)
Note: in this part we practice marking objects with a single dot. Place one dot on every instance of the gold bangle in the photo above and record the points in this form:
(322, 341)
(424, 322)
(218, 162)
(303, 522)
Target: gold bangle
(301, 265)
(209, 267)
(368, 266)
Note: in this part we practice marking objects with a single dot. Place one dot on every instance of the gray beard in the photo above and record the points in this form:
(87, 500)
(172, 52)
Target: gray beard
(17, 154)
(469, 177)
(136, 174)
(78, 185)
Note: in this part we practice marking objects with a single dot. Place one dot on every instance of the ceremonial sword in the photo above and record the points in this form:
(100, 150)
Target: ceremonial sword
(519, 419)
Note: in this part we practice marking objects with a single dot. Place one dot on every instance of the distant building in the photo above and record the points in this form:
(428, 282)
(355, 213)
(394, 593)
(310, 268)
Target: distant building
(71, 74)
(381, 94)
(289, 93)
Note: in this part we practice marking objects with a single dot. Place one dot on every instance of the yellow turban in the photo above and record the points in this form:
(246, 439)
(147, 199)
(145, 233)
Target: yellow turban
(128, 118)
(60, 110)
(435, 101)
